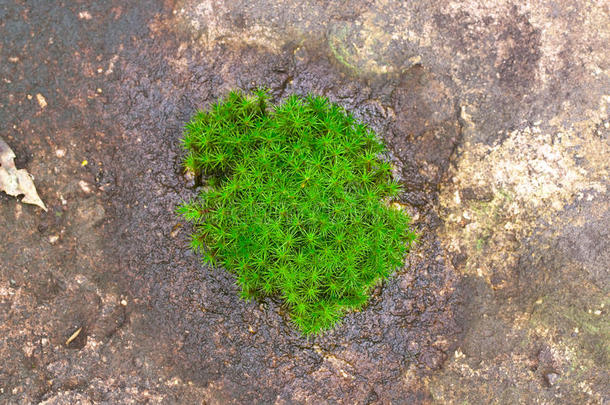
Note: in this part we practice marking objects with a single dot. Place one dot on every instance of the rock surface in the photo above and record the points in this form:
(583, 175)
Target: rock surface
(496, 114)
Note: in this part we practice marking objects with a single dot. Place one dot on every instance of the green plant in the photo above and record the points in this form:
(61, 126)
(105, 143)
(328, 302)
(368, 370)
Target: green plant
(297, 203)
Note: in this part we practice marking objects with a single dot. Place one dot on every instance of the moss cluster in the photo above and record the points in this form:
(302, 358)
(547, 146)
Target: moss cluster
(296, 203)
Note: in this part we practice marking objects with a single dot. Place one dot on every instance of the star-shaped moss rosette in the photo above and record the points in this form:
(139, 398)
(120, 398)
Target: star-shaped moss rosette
(297, 203)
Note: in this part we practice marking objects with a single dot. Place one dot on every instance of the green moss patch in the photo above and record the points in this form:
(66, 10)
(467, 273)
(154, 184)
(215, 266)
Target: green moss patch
(297, 203)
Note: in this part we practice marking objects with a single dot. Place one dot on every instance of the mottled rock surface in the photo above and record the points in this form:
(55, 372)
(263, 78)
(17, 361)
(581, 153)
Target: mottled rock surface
(495, 112)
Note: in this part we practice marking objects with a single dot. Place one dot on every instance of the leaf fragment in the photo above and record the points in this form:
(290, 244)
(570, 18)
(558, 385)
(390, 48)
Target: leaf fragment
(15, 181)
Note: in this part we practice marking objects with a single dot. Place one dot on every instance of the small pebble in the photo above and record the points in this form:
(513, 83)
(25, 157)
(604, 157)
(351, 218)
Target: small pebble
(84, 15)
(552, 378)
(84, 186)
(41, 100)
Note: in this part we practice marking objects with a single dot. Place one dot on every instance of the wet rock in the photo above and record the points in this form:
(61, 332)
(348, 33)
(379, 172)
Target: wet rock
(112, 317)
(90, 212)
(496, 120)
(477, 194)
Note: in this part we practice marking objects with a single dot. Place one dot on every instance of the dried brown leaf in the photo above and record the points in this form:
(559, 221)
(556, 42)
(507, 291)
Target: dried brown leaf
(15, 181)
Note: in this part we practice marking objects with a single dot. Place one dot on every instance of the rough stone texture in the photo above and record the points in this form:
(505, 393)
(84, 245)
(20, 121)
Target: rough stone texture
(495, 112)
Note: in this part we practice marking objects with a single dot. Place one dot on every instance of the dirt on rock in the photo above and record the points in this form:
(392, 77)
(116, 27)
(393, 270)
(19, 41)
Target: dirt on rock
(498, 128)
